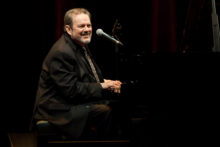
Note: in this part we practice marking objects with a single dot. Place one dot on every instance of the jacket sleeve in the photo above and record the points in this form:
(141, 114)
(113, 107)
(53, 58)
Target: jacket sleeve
(70, 80)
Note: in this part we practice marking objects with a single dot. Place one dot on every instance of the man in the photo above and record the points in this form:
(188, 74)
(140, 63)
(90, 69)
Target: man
(71, 92)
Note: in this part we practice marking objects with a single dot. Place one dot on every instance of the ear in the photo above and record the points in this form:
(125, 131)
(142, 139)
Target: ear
(68, 29)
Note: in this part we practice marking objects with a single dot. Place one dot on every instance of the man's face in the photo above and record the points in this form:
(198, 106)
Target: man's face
(81, 30)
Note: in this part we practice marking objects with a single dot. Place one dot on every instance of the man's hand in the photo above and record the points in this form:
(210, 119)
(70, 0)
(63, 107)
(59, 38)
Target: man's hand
(112, 85)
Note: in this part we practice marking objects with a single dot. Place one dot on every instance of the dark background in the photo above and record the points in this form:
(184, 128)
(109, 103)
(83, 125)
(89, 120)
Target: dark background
(167, 54)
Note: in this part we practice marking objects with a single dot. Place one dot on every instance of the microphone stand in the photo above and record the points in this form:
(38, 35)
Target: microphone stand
(215, 27)
(116, 28)
(116, 61)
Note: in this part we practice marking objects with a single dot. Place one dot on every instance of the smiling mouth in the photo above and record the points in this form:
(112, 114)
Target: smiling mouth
(86, 36)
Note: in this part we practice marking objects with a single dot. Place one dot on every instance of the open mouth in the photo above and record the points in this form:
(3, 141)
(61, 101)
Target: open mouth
(86, 36)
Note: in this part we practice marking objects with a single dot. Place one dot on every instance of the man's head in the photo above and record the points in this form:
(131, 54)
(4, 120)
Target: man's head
(77, 23)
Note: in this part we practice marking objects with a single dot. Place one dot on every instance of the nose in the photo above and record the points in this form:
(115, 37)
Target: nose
(86, 28)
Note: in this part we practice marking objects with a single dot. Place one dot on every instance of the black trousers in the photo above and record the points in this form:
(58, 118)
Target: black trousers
(102, 123)
(99, 123)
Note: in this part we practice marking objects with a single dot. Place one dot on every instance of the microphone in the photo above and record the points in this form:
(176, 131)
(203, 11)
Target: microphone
(100, 32)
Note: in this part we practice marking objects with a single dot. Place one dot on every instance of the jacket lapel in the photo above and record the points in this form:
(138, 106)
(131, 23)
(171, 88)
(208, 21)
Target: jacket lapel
(80, 57)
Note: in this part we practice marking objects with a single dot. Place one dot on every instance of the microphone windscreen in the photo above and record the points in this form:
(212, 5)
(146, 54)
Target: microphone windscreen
(99, 32)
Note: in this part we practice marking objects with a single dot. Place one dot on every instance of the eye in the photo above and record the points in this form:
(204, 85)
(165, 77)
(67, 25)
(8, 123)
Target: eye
(89, 25)
(81, 26)
(84, 25)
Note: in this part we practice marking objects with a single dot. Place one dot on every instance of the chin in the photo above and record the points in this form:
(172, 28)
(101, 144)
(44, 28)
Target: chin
(86, 41)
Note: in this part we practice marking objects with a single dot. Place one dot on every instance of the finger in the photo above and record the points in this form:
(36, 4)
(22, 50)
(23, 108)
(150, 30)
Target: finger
(117, 90)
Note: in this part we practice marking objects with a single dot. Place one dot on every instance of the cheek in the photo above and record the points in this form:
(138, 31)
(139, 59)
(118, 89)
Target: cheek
(76, 34)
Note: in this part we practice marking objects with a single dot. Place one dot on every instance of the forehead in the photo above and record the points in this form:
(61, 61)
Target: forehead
(80, 18)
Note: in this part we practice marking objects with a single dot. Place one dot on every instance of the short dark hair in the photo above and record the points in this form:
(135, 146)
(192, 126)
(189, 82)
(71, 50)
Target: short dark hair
(68, 15)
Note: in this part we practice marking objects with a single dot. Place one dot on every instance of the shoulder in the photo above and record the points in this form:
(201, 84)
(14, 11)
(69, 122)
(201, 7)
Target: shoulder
(63, 49)
(63, 46)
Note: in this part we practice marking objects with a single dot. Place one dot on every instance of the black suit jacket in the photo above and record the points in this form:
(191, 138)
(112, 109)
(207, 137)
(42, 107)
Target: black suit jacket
(67, 87)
